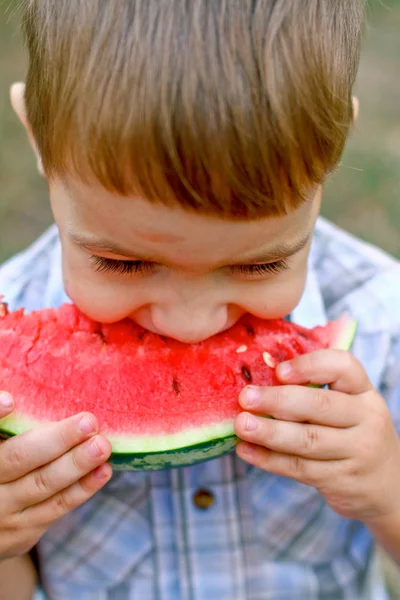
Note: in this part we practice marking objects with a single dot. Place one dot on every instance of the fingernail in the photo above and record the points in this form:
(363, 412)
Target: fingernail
(86, 425)
(6, 400)
(251, 396)
(285, 369)
(94, 449)
(251, 424)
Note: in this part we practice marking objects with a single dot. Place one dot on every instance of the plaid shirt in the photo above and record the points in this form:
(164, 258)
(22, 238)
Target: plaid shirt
(264, 537)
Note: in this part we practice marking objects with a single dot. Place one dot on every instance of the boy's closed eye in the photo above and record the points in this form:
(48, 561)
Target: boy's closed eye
(141, 267)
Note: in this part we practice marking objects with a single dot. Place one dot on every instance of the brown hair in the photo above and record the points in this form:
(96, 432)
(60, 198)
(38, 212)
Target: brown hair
(230, 107)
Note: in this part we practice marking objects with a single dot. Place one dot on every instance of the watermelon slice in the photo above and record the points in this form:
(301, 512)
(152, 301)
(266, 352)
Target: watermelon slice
(162, 403)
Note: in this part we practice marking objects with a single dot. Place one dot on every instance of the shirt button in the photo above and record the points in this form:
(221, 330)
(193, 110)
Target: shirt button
(203, 499)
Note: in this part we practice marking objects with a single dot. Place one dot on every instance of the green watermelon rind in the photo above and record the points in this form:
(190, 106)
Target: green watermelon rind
(346, 334)
(137, 453)
(180, 457)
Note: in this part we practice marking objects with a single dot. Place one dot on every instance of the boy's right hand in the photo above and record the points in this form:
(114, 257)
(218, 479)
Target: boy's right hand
(44, 474)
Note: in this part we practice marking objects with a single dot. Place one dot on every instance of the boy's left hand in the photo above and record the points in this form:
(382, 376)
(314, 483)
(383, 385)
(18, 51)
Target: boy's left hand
(340, 440)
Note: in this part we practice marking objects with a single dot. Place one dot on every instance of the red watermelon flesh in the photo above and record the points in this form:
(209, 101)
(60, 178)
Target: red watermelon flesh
(141, 386)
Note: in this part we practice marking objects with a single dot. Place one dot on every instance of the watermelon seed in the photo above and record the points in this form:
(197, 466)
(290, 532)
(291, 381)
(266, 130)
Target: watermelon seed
(241, 349)
(269, 360)
(249, 329)
(246, 373)
(175, 386)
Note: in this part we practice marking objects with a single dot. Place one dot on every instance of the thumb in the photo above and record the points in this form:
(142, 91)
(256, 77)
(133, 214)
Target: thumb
(6, 404)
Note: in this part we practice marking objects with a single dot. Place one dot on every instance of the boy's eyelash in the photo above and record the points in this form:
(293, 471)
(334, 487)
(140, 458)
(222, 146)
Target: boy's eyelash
(262, 269)
(129, 267)
(124, 267)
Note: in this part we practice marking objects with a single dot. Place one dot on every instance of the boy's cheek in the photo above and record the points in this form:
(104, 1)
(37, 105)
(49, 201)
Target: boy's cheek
(98, 299)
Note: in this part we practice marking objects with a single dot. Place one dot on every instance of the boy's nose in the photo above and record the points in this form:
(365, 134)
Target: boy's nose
(189, 325)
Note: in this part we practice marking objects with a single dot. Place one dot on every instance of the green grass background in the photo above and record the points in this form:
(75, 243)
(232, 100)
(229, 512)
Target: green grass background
(363, 196)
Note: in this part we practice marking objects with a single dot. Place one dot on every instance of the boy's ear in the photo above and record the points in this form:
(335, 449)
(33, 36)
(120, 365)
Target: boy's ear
(356, 107)
(17, 96)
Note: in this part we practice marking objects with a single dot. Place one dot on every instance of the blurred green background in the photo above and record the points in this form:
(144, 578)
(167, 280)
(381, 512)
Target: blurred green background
(363, 196)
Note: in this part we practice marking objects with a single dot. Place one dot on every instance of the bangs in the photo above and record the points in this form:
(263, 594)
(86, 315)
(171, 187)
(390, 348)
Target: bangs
(176, 161)
(229, 108)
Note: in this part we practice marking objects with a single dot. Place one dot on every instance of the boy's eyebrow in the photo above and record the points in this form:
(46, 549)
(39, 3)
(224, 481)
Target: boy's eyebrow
(278, 252)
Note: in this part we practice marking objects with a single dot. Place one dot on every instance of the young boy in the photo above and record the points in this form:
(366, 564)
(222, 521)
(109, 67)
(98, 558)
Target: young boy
(185, 144)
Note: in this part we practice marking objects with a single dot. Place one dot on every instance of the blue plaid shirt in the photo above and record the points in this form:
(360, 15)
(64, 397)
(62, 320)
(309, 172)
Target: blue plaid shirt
(143, 537)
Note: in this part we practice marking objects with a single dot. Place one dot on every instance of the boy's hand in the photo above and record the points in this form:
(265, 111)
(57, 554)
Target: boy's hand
(45, 473)
(340, 440)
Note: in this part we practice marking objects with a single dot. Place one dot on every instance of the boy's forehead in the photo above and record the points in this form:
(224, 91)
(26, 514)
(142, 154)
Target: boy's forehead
(106, 220)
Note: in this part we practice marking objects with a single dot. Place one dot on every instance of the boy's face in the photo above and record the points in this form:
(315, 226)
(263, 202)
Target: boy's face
(176, 273)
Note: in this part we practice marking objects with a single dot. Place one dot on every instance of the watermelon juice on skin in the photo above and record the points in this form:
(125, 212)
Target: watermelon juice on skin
(161, 402)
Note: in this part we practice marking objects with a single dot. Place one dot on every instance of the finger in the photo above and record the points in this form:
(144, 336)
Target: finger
(23, 453)
(303, 404)
(48, 512)
(50, 479)
(6, 404)
(336, 368)
(311, 472)
(309, 441)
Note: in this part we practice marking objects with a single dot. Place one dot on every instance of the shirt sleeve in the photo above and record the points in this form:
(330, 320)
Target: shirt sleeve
(390, 384)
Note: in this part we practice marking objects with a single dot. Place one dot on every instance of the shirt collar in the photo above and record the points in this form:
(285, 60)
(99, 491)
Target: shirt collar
(311, 309)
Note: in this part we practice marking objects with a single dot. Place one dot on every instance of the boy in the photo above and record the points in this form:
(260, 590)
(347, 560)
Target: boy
(185, 144)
